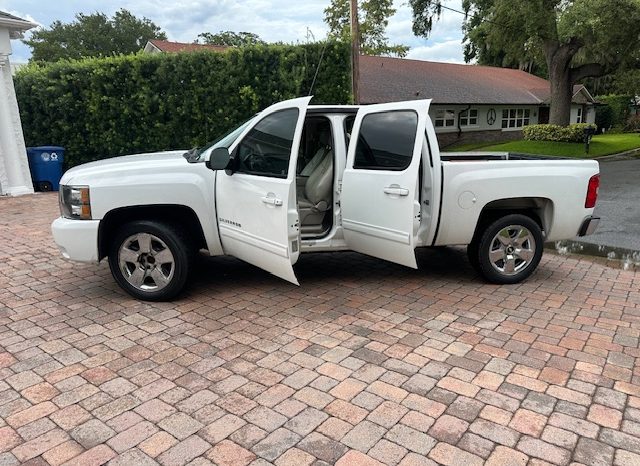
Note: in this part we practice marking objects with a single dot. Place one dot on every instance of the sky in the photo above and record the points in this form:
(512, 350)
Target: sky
(289, 21)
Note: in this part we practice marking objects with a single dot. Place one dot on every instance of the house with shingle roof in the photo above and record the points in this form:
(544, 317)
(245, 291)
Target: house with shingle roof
(166, 46)
(470, 102)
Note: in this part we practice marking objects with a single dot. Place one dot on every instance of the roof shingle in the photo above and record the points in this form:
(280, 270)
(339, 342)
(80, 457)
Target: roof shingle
(4, 14)
(385, 79)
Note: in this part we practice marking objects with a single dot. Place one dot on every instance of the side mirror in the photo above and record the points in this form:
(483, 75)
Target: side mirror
(220, 159)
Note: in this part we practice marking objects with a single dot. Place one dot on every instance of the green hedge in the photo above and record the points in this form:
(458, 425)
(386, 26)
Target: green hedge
(613, 111)
(99, 108)
(571, 133)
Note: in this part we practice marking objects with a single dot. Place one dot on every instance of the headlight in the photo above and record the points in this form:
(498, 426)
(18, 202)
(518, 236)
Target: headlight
(75, 202)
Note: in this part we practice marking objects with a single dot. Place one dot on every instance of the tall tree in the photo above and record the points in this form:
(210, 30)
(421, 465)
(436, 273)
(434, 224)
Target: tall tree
(576, 39)
(235, 39)
(626, 82)
(478, 48)
(373, 17)
(93, 35)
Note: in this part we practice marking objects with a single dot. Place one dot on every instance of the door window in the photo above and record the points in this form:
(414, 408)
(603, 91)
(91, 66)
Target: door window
(266, 149)
(386, 141)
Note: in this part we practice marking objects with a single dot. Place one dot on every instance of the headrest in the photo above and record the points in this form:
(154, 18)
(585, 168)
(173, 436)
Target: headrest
(324, 138)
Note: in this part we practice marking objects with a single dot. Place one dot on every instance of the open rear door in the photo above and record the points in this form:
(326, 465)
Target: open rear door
(379, 196)
(256, 204)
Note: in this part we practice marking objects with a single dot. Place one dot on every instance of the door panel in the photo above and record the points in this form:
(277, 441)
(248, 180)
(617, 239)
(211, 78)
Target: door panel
(379, 199)
(256, 205)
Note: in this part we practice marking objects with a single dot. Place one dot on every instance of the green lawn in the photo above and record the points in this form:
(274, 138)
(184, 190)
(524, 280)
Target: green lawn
(603, 144)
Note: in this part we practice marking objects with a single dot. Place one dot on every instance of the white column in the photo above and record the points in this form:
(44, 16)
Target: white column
(15, 177)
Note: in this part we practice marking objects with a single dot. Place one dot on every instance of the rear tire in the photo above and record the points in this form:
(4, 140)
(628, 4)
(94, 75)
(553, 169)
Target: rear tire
(151, 260)
(509, 249)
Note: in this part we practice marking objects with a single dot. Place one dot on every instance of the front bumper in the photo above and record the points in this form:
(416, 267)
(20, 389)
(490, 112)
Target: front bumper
(77, 239)
(589, 226)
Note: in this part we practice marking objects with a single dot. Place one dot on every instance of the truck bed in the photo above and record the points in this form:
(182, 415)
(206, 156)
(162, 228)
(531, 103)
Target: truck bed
(556, 187)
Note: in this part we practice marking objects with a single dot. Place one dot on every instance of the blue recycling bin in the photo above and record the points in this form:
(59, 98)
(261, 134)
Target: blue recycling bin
(45, 163)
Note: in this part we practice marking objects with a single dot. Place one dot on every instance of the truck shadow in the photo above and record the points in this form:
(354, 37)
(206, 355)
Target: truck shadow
(336, 268)
(324, 275)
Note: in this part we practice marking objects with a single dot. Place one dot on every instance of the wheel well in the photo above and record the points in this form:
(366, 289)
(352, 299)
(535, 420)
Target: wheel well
(538, 209)
(179, 215)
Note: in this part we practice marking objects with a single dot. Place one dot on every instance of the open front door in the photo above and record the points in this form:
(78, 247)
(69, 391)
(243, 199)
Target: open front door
(256, 204)
(379, 199)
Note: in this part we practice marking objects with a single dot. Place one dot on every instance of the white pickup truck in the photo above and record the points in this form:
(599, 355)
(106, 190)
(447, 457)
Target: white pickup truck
(299, 178)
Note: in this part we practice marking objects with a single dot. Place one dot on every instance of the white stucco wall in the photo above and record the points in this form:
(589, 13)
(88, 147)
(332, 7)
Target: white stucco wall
(590, 114)
(15, 177)
(483, 111)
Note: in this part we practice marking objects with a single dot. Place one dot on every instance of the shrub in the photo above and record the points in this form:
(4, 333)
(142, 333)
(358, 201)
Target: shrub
(541, 132)
(633, 124)
(605, 117)
(617, 106)
(575, 133)
(571, 133)
(103, 107)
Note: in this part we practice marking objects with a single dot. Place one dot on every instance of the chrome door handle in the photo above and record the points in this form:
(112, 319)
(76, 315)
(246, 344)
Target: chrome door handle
(272, 201)
(397, 191)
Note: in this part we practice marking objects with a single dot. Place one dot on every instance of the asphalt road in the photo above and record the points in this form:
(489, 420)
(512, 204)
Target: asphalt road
(618, 205)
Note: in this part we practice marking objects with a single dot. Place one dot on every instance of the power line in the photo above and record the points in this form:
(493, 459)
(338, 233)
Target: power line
(315, 76)
(490, 21)
(453, 9)
(505, 26)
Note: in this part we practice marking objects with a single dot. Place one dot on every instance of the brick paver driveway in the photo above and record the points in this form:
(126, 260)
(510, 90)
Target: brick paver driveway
(364, 362)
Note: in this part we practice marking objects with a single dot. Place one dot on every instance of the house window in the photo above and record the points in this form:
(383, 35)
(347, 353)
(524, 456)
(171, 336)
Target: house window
(469, 117)
(579, 119)
(515, 117)
(445, 118)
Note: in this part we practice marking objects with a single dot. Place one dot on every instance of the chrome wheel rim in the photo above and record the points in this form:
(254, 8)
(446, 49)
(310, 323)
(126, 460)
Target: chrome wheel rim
(512, 250)
(146, 262)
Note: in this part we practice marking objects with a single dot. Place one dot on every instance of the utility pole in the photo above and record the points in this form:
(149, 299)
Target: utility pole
(355, 51)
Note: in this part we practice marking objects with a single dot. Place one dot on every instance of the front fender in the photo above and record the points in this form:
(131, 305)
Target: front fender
(192, 186)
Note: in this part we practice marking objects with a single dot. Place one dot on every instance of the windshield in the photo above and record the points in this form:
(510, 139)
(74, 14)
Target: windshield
(223, 141)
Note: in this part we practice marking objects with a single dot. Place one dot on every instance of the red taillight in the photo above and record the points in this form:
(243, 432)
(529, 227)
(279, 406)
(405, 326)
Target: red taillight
(592, 192)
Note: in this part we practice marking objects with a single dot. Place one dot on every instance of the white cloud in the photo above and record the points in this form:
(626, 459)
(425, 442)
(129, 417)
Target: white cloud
(20, 53)
(448, 51)
(444, 42)
(273, 20)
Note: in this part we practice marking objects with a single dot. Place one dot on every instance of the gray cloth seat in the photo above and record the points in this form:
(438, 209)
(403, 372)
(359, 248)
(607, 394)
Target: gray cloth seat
(316, 198)
(314, 162)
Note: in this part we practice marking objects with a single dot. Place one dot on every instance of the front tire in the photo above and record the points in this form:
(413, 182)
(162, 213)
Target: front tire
(509, 249)
(150, 260)
(472, 255)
